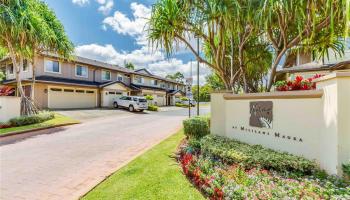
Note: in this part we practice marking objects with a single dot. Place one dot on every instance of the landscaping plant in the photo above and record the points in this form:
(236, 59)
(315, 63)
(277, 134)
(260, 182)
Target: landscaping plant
(346, 169)
(152, 108)
(252, 156)
(251, 177)
(6, 91)
(196, 127)
(298, 84)
(32, 119)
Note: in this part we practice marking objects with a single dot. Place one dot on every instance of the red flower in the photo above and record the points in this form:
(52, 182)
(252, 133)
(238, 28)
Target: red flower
(299, 78)
(218, 193)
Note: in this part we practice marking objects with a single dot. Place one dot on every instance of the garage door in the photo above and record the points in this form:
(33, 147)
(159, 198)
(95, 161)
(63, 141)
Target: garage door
(160, 100)
(109, 97)
(71, 98)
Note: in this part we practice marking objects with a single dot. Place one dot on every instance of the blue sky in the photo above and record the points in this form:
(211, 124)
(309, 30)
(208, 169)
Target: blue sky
(113, 31)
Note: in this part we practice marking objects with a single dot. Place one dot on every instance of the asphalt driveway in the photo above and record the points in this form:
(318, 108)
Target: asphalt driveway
(70, 161)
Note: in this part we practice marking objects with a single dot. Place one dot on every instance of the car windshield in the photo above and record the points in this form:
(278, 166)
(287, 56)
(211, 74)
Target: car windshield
(142, 100)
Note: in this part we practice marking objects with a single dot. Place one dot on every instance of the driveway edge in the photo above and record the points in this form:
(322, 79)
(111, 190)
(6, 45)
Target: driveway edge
(36, 129)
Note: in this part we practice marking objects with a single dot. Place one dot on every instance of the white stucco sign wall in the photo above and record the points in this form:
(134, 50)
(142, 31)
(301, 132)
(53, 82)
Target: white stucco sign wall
(313, 124)
(9, 108)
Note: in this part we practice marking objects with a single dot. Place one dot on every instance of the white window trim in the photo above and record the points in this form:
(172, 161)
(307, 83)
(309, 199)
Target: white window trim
(120, 77)
(59, 66)
(87, 71)
(110, 77)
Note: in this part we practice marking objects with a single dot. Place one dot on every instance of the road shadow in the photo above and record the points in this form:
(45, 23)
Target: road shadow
(11, 139)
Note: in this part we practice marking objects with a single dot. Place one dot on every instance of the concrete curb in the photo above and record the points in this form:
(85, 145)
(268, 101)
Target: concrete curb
(36, 129)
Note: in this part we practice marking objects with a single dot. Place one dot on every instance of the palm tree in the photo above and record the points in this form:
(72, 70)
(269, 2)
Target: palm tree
(28, 27)
(290, 23)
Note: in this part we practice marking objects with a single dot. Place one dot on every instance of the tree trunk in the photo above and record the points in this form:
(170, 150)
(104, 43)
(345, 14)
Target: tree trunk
(274, 68)
(32, 92)
(241, 67)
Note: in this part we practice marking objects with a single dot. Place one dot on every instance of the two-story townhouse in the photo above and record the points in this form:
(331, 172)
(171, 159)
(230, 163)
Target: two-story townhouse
(82, 82)
(303, 64)
(164, 91)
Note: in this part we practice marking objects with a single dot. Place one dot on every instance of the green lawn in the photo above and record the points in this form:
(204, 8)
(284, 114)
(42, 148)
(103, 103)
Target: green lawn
(58, 120)
(153, 175)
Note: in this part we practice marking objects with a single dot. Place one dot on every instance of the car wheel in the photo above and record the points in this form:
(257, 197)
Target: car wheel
(131, 108)
(115, 104)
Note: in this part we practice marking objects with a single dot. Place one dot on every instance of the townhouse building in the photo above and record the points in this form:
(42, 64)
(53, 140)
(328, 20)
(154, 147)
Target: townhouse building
(87, 83)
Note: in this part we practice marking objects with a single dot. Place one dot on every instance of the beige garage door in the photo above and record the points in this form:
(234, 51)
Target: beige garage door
(71, 98)
(160, 100)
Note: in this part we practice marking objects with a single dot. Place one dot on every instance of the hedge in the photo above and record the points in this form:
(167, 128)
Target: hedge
(196, 127)
(255, 156)
(32, 119)
(152, 108)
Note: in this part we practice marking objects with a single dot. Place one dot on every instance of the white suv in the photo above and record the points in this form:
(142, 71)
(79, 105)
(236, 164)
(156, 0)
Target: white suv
(133, 103)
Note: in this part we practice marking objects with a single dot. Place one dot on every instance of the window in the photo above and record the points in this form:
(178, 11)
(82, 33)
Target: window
(106, 75)
(90, 92)
(56, 89)
(128, 98)
(81, 71)
(155, 82)
(120, 78)
(10, 68)
(52, 66)
(79, 91)
(111, 92)
(68, 90)
(25, 65)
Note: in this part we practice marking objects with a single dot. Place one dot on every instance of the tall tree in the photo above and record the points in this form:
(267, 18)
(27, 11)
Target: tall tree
(129, 65)
(290, 23)
(28, 27)
(179, 21)
(178, 77)
(227, 30)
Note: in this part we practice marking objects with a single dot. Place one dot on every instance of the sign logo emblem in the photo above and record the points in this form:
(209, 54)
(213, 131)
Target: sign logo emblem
(261, 114)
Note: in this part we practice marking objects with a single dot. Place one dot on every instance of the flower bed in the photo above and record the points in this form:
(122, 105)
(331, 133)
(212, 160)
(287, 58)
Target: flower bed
(218, 178)
(298, 84)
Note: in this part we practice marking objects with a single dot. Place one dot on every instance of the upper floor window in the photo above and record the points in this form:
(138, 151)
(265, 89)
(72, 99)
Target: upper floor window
(25, 65)
(154, 82)
(52, 66)
(10, 68)
(139, 79)
(81, 71)
(120, 78)
(106, 75)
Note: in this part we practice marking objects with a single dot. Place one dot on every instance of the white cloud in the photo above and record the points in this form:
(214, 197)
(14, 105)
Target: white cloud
(135, 26)
(105, 6)
(142, 58)
(81, 2)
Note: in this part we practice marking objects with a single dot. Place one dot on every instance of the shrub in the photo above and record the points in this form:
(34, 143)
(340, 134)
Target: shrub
(149, 97)
(298, 84)
(196, 127)
(184, 99)
(346, 169)
(6, 91)
(181, 105)
(252, 156)
(32, 119)
(152, 108)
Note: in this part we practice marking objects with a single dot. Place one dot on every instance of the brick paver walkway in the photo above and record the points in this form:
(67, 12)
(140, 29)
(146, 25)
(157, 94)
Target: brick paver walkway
(68, 163)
